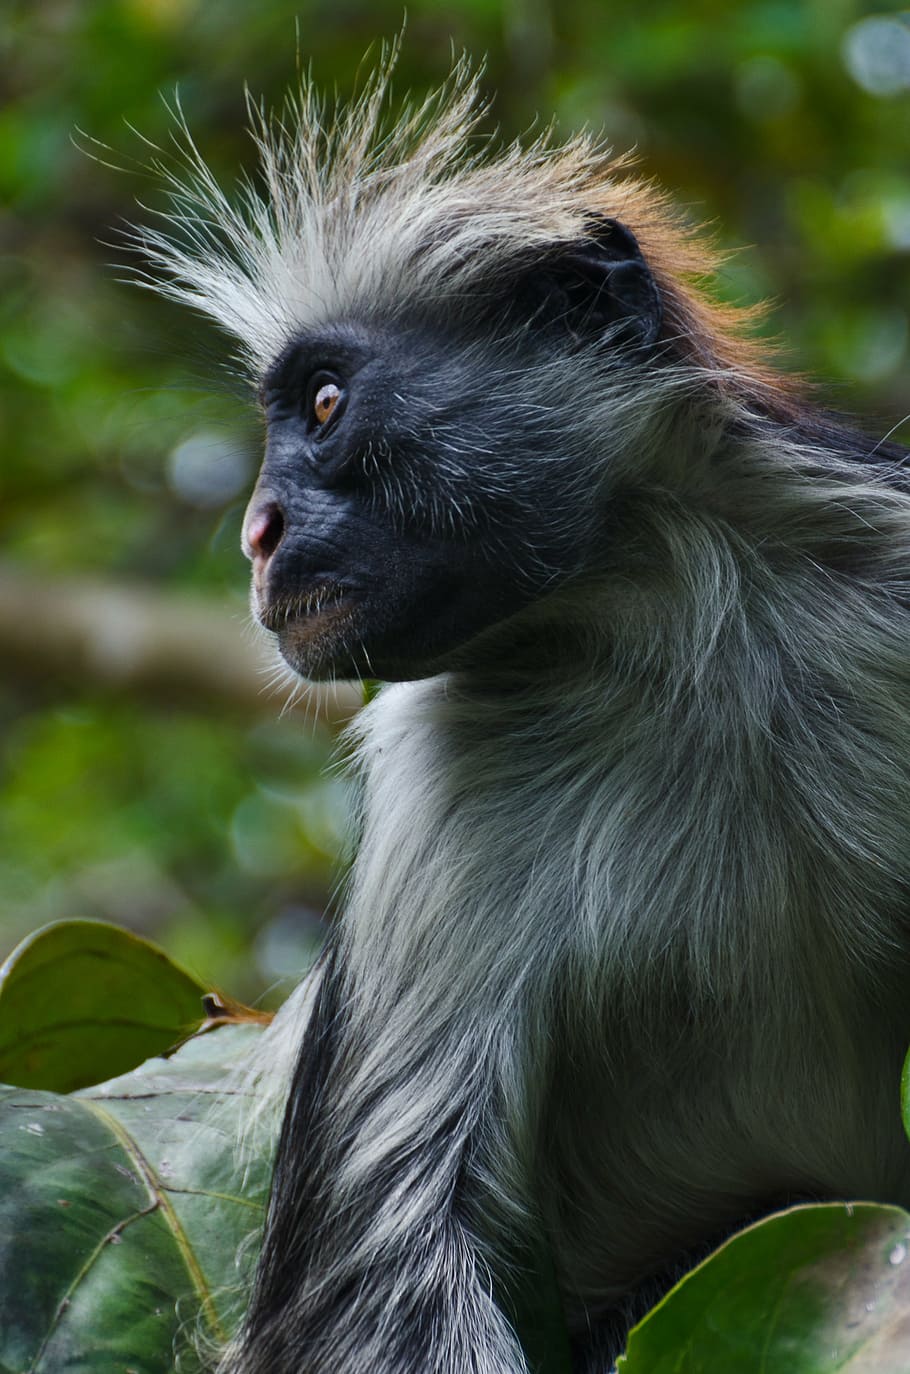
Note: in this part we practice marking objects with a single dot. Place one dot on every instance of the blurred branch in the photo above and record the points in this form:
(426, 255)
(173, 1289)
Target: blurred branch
(134, 639)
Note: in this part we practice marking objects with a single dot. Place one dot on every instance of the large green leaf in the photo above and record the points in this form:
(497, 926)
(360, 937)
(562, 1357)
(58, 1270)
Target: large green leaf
(122, 1212)
(816, 1290)
(82, 1001)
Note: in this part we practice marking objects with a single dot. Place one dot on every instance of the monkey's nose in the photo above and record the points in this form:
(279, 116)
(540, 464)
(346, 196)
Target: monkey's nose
(263, 532)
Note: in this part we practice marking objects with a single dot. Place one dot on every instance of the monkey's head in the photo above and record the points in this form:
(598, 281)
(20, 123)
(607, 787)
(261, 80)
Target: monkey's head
(427, 471)
(454, 354)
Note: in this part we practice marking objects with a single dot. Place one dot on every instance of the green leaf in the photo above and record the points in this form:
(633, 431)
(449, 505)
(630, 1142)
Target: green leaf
(122, 1212)
(905, 1094)
(82, 1001)
(816, 1290)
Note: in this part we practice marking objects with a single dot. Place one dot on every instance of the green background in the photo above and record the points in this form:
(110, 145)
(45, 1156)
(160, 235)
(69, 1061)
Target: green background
(127, 448)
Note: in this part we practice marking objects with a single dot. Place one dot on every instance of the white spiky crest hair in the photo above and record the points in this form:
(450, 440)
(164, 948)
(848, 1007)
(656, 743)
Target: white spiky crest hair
(363, 213)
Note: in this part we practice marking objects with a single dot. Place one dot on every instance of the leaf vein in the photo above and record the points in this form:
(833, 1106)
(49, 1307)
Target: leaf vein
(159, 1193)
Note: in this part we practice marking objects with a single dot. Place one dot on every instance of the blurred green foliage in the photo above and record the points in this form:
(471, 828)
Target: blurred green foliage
(782, 122)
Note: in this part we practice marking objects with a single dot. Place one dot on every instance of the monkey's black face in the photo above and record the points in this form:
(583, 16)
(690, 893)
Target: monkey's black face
(376, 527)
(424, 479)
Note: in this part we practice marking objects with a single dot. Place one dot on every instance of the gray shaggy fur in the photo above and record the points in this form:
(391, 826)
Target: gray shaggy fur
(624, 954)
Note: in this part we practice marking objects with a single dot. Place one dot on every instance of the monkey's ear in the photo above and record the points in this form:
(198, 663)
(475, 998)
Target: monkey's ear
(602, 286)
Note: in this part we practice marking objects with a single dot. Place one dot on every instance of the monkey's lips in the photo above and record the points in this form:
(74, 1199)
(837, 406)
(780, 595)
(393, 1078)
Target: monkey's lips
(306, 610)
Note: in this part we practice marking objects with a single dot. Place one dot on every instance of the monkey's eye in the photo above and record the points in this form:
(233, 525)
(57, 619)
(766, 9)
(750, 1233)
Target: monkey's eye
(325, 397)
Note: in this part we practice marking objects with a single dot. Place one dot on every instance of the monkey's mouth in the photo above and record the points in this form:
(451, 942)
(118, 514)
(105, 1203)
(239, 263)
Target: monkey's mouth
(305, 611)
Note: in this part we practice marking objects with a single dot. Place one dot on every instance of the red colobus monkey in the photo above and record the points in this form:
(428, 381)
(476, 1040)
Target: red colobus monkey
(623, 959)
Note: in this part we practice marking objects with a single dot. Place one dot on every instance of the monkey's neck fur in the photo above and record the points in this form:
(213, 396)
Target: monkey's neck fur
(741, 661)
(679, 812)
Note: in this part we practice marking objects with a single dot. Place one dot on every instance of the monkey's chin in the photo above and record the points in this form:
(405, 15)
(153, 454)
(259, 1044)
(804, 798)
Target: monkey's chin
(337, 644)
(336, 631)
(323, 643)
